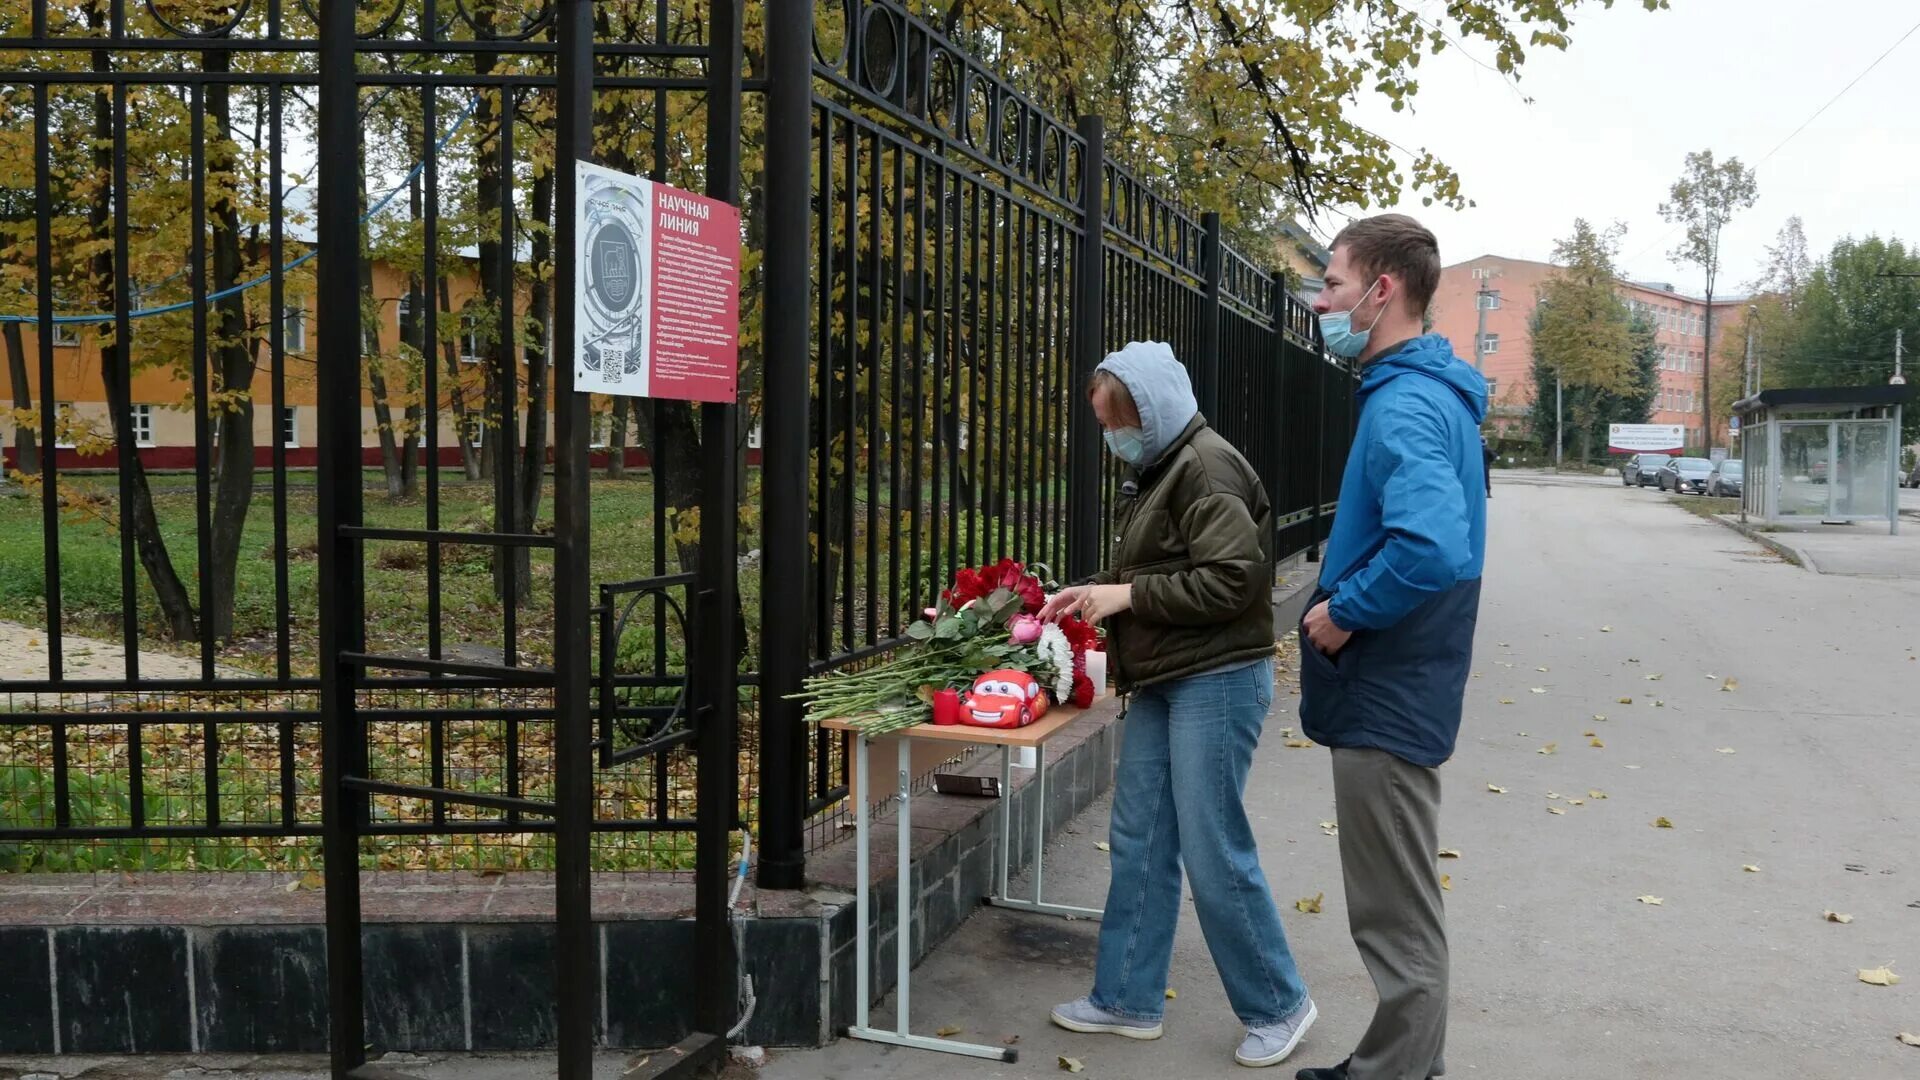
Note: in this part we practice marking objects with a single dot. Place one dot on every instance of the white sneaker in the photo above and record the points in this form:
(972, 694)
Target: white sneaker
(1084, 1016)
(1271, 1043)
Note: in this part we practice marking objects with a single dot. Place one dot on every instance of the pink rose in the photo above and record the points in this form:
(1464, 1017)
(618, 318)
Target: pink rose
(1026, 629)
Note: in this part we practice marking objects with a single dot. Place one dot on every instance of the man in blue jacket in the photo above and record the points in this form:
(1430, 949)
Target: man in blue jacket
(1388, 641)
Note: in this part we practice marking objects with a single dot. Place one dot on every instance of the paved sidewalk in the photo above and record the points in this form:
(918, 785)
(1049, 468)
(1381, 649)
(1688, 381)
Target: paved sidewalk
(1560, 971)
(1863, 550)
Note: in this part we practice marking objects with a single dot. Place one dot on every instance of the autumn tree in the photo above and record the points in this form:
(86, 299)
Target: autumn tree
(1247, 106)
(1704, 199)
(1582, 334)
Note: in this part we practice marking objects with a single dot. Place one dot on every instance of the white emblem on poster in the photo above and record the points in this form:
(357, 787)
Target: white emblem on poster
(611, 245)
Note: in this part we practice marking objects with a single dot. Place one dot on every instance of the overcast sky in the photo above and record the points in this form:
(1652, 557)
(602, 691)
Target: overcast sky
(1612, 119)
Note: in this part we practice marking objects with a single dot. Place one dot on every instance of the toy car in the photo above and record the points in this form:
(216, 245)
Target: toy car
(1003, 699)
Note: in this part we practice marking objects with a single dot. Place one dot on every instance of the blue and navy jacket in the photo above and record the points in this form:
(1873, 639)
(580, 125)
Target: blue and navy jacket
(1402, 566)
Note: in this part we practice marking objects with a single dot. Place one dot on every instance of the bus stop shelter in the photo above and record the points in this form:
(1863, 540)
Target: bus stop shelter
(1822, 455)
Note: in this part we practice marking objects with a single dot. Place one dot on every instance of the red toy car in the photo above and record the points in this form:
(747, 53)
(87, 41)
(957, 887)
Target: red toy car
(1003, 699)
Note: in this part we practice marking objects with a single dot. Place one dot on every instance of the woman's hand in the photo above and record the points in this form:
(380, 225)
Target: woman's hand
(1105, 601)
(1063, 603)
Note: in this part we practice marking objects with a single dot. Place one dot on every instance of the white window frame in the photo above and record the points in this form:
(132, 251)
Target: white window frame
(293, 324)
(1489, 344)
(66, 335)
(59, 442)
(287, 427)
(141, 418)
(1489, 300)
(469, 341)
(1493, 387)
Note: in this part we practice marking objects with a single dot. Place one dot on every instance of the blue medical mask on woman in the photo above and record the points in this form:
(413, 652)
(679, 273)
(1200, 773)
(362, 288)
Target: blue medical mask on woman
(1336, 328)
(1129, 444)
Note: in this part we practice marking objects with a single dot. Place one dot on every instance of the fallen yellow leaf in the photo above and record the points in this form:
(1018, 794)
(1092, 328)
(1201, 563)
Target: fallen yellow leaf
(1590, 734)
(1298, 744)
(1506, 701)
(1606, 629)
(1597, 744)
(1072, 1065)
(1496, 789)
(1286, 733)
(1600, 716)
(1750, 868)
(1655, 678)
(1539, 669)
(1880, 976)
(1662, 823)
(1726, 750)
(1103, 845)
(1329, 824)
(1446, 882)
(1548, 749)
(1834, 916)
(1539, 690)
(1576, 802)
(1449, 853)
(1596, 793)
(1626, 701)
(1909, 1038)
(1555, 810)
(1652, 900)
(1730, 686)
(1309, 905)
(1553, 794)
(1171, 994)
(948, 1031)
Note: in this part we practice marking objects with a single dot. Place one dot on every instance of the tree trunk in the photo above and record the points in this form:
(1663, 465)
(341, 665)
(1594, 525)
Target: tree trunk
(234, 362)
(456, 393)
(176, 607)
(617, 439)
(26, 456)
(370, 320)
(533, 457)
(499, 449)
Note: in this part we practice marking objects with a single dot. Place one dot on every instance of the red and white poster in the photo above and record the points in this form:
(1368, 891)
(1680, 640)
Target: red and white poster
(658, 307)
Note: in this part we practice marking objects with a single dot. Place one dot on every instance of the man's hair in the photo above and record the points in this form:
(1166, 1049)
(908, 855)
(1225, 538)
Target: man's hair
(1398, 245)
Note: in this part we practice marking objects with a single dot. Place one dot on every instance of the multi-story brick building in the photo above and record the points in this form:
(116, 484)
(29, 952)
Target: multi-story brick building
(1510, 290)
(162, 392)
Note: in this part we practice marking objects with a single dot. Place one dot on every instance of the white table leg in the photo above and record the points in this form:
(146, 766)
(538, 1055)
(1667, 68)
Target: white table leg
(1001, 897)
(903, 934)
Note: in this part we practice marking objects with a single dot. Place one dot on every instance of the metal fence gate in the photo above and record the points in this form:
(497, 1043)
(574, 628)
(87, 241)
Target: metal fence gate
(289, 213)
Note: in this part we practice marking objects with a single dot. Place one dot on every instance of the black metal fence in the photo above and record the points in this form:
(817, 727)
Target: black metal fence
(258, 224)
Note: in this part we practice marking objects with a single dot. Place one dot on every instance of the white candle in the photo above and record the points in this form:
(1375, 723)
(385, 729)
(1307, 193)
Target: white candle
(1097, 672)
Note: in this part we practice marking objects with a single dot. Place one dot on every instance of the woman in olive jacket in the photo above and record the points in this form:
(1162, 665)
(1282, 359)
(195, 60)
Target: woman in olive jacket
(1188, 608)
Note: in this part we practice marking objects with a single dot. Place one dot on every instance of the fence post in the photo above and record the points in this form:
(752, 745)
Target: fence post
(1089, 298)
(342, 611)
(1321, 429)
(783, 471)
(1272, 432)
(1211, 259)
(576, 966)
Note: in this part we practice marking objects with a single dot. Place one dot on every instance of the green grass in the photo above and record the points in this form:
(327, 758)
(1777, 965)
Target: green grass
(397, 594)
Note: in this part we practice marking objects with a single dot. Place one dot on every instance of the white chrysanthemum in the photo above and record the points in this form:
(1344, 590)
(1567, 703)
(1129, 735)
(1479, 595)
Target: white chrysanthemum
(1057, 651)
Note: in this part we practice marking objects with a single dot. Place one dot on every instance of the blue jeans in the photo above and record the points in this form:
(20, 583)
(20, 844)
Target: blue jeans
(1177, 799)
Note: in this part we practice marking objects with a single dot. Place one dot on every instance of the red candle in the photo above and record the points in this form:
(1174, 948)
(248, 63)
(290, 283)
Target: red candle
(946, 706)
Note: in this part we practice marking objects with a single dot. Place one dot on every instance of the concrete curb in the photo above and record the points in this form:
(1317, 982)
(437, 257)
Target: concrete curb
(1787, 551)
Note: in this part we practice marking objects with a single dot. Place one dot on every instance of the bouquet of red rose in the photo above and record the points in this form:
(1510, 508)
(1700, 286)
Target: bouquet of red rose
(987, 621)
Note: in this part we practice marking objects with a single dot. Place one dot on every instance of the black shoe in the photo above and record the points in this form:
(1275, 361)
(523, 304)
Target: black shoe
(1335, 1072)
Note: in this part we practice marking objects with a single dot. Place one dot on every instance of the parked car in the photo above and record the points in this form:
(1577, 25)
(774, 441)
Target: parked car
(1725, 478)
(1684, 474)
(1642, 469)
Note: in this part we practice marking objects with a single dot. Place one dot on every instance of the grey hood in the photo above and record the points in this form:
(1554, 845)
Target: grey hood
(1161, 391)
